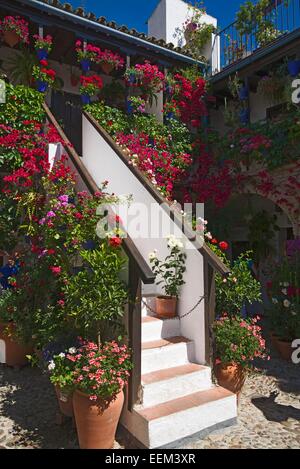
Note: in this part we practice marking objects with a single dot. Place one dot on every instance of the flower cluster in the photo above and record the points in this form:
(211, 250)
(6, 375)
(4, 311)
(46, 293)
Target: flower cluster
(238, 341)
(189, 97)
(90, 85)
(147, 76)
(101, 372)
(43, 43)
(88, 52)
(108, 57)
(17, 25)
(160, 166)
(43, 73)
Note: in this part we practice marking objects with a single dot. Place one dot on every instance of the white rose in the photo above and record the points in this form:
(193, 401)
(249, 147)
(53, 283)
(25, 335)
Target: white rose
(72, 350)
(62, 355)
(152, 256)
(286, 303)
(51, 365)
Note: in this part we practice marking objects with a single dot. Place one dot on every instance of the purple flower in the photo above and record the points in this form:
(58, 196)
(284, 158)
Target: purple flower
(42, 221)
(64, 198)
(51, 214)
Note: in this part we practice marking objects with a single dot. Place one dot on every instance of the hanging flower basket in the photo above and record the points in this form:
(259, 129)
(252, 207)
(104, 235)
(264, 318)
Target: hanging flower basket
(14, 30)
(294, 67)
(86, 99)
(110, 61)
(244, 116)
(90, 86)
(243, 93)
(42, 54)
(43, 46)
(107, 67)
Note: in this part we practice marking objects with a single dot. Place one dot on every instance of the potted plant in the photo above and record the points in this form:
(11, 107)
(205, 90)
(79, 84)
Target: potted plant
(61, 370)
(86, 54)
(148, 78)
(90, 86)
(294, 67)
(237, 342)
(101, 372)
(110, 61)
(169, 274)
(43, 46)
(14, 30)
(44, 77)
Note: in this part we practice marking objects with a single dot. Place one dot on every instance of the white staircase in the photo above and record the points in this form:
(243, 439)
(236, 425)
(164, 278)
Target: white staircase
(179, 399)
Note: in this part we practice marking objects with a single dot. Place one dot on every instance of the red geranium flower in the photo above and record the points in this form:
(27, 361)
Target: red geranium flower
(115, 242)
(223, 245)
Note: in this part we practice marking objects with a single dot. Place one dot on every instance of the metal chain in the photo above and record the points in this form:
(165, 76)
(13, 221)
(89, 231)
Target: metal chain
(183, 315)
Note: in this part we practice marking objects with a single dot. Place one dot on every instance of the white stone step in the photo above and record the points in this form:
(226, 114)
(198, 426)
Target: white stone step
(155, 328)
(151, 302)
(172, 383)
(196, 415)
(166, 353)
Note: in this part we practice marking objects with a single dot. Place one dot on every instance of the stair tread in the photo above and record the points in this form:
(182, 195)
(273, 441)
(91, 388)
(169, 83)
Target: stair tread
(169, 373)
(164, 342)
(150, 319)
(184, 403)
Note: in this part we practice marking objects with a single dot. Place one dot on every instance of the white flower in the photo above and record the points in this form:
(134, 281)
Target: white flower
(152, 255)
(284, 291)
(286, 303)
(173, 242)
(208, 235)
(275, 301)
(72, 350)
(62, 355)
(51, 365)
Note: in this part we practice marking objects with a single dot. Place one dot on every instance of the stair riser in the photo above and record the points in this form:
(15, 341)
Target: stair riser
(163, 391)
(157, 330)
(175, 427)
(167, 357)
(151, 301)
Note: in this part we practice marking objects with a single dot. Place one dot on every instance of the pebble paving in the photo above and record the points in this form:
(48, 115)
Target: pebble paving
(269, 412)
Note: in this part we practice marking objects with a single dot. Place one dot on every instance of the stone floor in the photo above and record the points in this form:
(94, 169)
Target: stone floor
(269, 413)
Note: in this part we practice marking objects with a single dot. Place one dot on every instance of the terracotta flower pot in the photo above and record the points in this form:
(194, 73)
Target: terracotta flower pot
(285, 349)
(65, 402)
(231, 376)
(14, 353)
(11, 38)
(166, 306)
(96, 422)
(107, 67)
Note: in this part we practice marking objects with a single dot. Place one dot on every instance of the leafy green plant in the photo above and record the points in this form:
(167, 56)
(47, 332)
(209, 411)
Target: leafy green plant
(20, 67)
(22, 103)
(61, 370)
(169, 272)
(262, 228)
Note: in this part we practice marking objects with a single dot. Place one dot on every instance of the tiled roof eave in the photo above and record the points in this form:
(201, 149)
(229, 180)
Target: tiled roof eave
(101, 24)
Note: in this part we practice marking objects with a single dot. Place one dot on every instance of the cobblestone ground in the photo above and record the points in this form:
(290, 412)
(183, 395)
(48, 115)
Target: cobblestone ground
(269, 413)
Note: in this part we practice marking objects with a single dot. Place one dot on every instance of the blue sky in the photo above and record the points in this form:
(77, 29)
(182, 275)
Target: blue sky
(134, 13)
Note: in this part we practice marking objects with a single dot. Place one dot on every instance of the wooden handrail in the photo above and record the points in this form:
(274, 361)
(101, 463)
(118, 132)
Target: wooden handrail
(131, 250)
(205, 250)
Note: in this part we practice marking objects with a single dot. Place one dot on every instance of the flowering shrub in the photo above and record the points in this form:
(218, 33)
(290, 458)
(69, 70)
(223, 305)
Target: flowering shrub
(43, 43)
(284, 293)
(17, 25)
(170, 272)
(89, 52)
(238, 341)
(44, 74)
(160, 166)
(101, 372)
(90, 85)
(108, 57)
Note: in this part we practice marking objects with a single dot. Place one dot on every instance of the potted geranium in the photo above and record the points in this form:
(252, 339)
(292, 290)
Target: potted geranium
(169, 274)
(148, 77)
(237, 342)
(110, 61)
(43, 46)
(14, 30)
(90, 86)
(101, 372)
(43, 76)
(86, 54)
(61, 370)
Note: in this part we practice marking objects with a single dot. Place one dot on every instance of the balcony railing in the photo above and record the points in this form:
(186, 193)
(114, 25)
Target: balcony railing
(281, 18)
